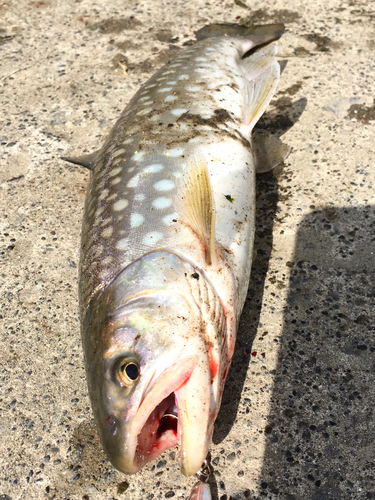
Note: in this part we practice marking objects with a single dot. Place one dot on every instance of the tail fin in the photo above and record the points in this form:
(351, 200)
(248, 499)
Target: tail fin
(258, 35)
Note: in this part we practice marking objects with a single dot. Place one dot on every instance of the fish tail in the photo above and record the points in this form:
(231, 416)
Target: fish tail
(257, 35)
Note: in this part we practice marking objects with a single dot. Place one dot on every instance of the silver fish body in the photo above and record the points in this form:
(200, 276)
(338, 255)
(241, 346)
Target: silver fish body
(167, 247)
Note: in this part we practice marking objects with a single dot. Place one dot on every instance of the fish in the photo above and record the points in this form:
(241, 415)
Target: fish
(167, 245)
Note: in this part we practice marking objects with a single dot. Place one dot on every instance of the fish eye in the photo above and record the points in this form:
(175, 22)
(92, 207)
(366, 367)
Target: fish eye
(127, 371)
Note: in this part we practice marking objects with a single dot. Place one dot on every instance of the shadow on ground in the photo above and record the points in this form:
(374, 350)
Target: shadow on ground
(321, 427)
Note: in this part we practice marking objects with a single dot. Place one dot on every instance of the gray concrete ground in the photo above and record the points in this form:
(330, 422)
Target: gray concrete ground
(297, 419)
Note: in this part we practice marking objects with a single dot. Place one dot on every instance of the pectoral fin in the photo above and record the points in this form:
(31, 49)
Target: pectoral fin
(198, 205)
(87, 161)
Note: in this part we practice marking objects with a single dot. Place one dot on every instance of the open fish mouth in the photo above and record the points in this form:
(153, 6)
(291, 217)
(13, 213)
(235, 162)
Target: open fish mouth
(159, 432)
(159, 423)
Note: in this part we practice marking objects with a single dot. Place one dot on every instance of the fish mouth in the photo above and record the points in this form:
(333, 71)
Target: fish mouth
(159, 432)
(159, 423)
(174, 409)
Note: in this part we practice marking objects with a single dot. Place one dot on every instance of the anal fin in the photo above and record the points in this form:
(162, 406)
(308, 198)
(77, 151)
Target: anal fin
(198, 205)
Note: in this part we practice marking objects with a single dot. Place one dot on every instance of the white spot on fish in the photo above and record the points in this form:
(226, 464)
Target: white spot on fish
(120, 205)
(134, 181)
(165, 89)
(136, 220)
(174, 152)
(152, 238)
(151, 86)
(137, 156)
(145, 111)
(184, 77)
(103, 195)
(193, 88)
(178, 111)
(172, 83)
(155, 118)
(118, 152)
(115, 171)
(200, 70)
(131, 169)
(98, 251)
(116, 161)
(106, 222)
(170, 219)
(200, 59)
(170, 98)
(156, 167)
(112, 197)
(116, 180)
(177, 174)
(161, 203)
(164, 185)
(122, 244)
(139, 197)
(128, 141)
(107, 232)
(99, 211)
(100, 185)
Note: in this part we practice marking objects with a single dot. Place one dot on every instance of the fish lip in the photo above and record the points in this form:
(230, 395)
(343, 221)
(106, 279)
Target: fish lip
(167, 383)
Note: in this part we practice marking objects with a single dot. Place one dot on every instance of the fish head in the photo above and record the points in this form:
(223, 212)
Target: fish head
(149, 379)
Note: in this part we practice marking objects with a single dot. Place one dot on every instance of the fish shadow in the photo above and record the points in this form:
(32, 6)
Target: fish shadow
(282, 115)
(320, 435)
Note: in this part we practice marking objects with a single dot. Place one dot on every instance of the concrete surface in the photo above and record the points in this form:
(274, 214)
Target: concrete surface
(297, 420)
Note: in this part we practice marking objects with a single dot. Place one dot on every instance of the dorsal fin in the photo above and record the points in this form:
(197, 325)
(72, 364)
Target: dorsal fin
(86, 161)
(198, 204)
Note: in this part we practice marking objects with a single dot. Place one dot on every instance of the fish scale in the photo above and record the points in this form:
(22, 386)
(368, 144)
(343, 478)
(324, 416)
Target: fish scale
(167, 243)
